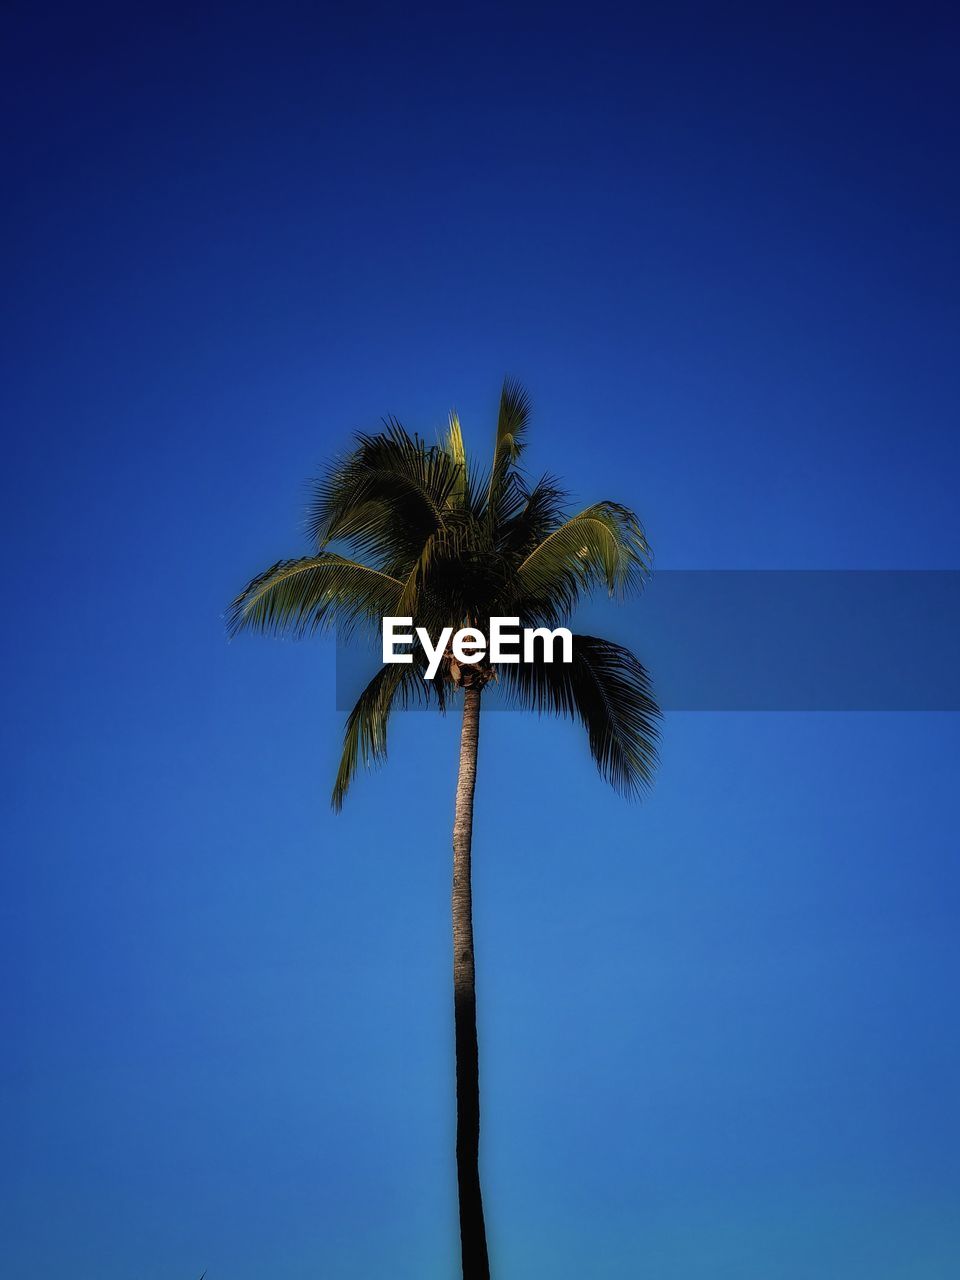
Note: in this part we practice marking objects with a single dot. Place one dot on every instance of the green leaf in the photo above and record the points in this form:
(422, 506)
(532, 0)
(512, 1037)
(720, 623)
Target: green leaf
(365, 734)
(301, 596)
(457, 454)
(385, 499)
(609, 691)
(602, 546)
(513, 421)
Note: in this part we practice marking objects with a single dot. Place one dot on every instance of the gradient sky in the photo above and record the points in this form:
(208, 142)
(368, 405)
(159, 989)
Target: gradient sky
(718, 1031)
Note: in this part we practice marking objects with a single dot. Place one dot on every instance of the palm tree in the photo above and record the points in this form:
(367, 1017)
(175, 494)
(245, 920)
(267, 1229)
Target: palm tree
(405, 528)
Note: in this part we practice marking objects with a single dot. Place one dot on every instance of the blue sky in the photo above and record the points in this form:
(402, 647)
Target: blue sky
(717, 1031)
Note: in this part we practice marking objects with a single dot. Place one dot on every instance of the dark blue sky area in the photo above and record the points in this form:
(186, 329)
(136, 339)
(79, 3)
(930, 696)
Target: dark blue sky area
(717, 1031)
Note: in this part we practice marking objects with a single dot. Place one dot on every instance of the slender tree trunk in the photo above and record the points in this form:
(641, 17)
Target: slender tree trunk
(473, 1240)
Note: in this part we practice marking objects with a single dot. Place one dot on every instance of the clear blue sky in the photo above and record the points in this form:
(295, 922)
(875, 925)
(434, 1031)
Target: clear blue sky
(718, 1031)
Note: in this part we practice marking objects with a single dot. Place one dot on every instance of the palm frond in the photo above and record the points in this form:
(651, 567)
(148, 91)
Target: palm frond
(513, 420)
(384, 499)
(365, 733)
(602, 546)
(609, 691)
(542, 509)
(408, 605)
(457, 454)
(301, 596)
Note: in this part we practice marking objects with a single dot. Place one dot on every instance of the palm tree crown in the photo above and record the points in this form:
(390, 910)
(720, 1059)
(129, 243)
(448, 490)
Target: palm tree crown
(406, 528)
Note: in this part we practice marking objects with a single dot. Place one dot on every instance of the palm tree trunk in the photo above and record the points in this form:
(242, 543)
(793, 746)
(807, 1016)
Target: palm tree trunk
(473, 1240)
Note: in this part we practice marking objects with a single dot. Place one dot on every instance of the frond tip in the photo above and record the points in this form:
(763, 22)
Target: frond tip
(365, 734)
